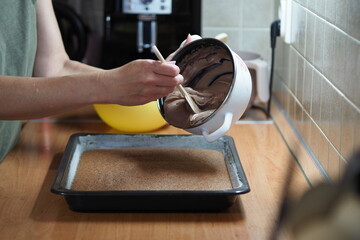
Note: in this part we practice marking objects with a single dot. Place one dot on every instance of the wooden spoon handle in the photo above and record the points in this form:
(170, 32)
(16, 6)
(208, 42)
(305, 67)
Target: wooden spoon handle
(182, 90)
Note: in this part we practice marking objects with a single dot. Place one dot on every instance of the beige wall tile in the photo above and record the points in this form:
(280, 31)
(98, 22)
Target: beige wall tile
(257, 40)
(323, 156)
(320, 146)
(314, 142)
(351, 76)
(342, 13)
(319, 7)
(247, 22)
(348, 131)
(330, 10)
(291, 108)
(234, 35)
(308, 86)
(306, 129)
(278, 89)
(257, 13)
(357, 132)
(333, 168)
(221, 13)
(354, 19)
(338, 65)
(298, 25)
(293, 65)
(324, 77)
(303, 2)
(284, 96)
(287, 102)
(311, 5)
(298, 118)
(310, 36)
(319, 46)
(325, 106)
(335, 118)
(279, 59)
(300, 78)
(342, 166)
(286, 61)
(329, 45)
(282, 58)
(316, 96)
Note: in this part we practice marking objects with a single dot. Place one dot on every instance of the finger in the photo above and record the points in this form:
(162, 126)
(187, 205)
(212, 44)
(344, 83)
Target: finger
(158, 91)
(154, 93)
(188, 39)
(165, 81)
(166, 69)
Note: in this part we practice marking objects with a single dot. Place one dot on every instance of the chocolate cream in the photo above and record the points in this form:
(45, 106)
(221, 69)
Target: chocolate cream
(208, 73)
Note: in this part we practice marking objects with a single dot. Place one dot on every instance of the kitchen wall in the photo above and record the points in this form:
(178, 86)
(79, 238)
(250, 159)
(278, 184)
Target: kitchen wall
(247, 30)
(247, 23)
(317, 80)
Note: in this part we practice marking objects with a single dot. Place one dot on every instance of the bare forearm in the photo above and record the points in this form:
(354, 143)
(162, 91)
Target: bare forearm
(71, 67)
(28, 98)
(135, 83)
(59, 84)
(51, 58)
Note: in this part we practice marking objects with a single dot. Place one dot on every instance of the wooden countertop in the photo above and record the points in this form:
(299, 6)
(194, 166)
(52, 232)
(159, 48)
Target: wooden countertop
(29, 210)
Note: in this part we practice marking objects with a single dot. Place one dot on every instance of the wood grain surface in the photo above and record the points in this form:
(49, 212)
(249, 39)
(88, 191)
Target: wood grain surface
(28, 210)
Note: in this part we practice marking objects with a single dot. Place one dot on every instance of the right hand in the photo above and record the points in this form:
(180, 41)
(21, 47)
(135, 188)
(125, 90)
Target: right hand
(139, 82)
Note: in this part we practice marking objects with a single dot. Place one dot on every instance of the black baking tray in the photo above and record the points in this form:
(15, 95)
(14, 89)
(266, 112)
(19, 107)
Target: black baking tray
(148, 200)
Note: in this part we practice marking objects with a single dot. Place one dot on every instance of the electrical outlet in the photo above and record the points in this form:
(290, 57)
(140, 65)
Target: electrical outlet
(285, 15)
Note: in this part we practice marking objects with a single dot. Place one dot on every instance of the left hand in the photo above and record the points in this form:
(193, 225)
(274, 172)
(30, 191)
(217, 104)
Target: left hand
(188, 39)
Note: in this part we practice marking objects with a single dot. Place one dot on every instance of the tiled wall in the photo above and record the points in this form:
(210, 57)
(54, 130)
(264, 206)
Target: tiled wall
(317, 79)
(247, 23)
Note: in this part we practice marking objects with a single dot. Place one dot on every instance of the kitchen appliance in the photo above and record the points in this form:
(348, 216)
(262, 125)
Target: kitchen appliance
(131, 27)
(146, 11)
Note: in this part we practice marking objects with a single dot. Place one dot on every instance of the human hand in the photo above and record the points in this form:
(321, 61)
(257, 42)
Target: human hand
(139, 82)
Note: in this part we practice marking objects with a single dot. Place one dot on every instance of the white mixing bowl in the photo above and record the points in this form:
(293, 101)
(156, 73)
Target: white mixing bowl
(235, 103)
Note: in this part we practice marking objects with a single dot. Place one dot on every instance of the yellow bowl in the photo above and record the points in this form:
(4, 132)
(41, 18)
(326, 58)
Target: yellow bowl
(135, 119)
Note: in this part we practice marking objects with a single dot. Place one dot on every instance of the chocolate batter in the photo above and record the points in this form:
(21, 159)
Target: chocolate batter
(208, 73)
(151, 169)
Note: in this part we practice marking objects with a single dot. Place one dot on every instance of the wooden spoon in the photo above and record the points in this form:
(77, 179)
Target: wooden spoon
(182, 90)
